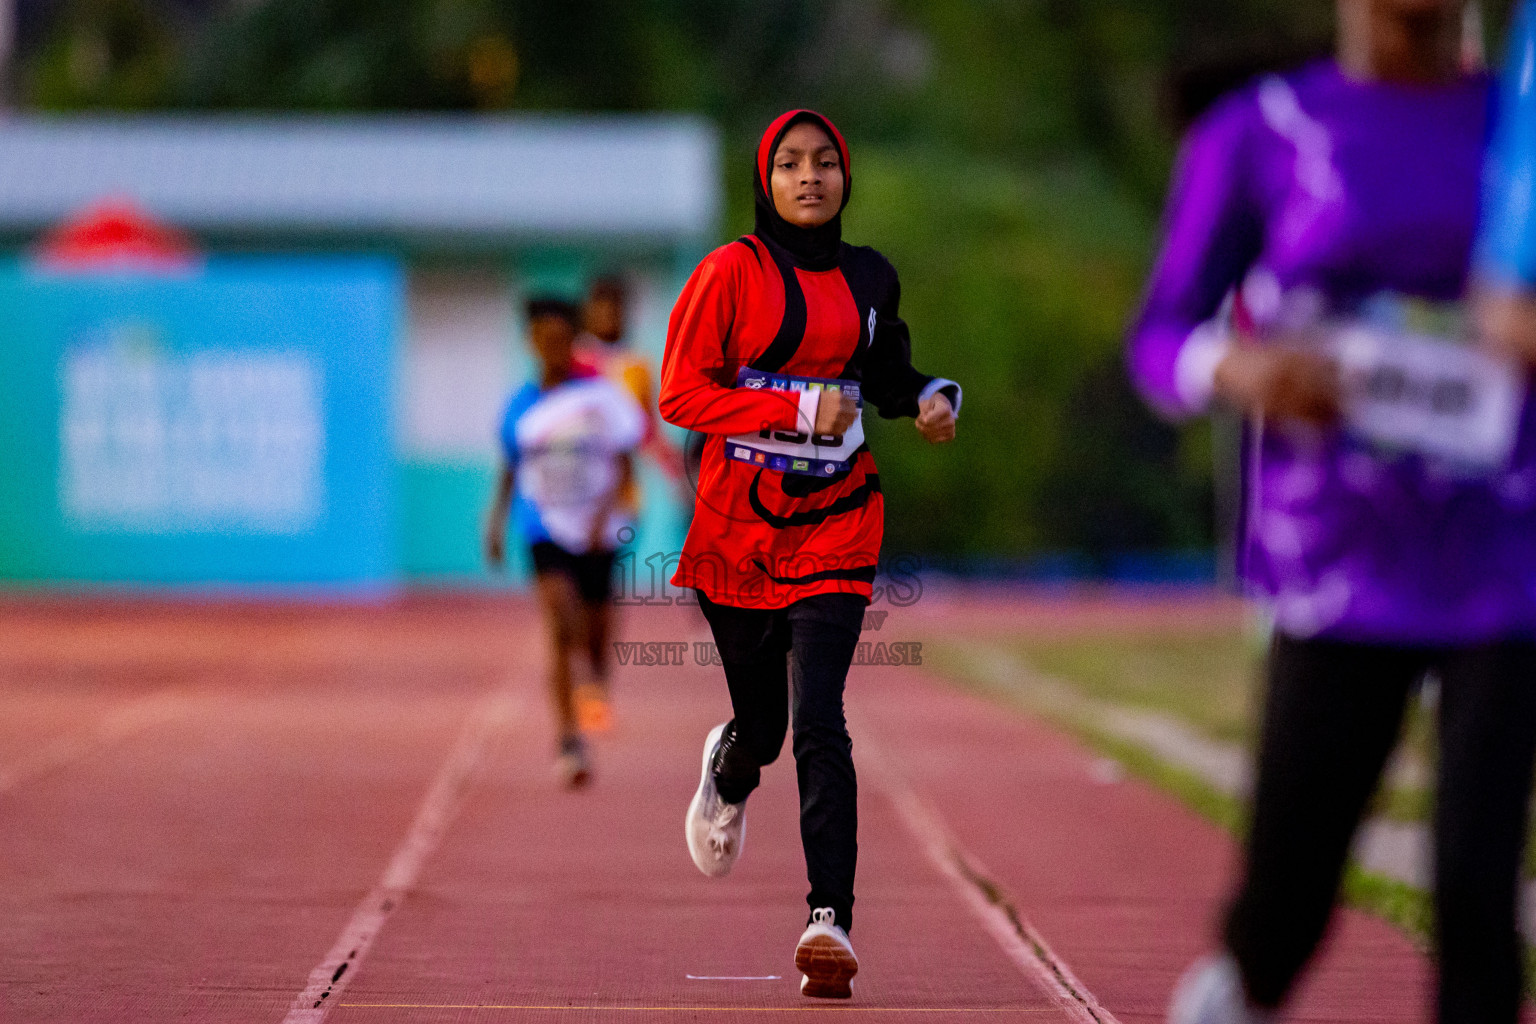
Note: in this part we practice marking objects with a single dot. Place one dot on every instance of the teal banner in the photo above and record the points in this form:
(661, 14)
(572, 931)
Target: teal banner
(227, 426)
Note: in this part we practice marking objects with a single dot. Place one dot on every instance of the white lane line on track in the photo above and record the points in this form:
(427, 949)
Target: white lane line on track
(1019, 940)
(433, 818)
(113, 727)
(733, 977)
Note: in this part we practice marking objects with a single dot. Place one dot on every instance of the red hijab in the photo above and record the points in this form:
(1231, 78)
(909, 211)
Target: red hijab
(812, 248)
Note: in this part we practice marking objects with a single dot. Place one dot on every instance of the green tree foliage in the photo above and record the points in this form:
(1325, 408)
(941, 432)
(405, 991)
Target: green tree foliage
(1009, 155)
(1017, 282)
(106, 53)
(354, 55)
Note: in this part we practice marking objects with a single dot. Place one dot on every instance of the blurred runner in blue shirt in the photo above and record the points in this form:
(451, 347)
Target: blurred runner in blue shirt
(566, 443)
(1507, 248)
(1508, 244)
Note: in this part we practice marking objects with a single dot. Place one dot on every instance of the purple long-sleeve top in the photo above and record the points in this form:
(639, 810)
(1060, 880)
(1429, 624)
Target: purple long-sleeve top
(1313, 190)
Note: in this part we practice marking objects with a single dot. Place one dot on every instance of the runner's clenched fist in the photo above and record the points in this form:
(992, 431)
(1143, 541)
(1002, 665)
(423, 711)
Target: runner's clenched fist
(936, 419)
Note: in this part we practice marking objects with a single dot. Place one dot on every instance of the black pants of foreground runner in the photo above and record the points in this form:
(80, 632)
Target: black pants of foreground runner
(1332, 714)
(791, 664)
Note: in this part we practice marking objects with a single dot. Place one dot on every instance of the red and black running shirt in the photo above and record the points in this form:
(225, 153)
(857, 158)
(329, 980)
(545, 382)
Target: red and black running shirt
(759, 538)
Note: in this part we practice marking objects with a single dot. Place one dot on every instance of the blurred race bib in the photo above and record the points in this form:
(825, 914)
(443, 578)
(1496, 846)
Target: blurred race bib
(789, 451)
(1427, 394)
(566, 474)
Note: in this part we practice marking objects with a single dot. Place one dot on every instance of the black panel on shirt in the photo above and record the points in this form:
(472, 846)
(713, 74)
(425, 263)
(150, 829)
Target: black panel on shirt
(882, 363)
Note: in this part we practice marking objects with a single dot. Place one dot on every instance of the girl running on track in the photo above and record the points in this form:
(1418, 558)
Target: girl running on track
(775, 344)
(566, 443)
(1318, 239)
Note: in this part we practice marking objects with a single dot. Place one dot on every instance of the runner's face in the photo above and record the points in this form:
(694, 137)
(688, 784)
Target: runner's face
(605, 317)
(552, 338)
(807, 181)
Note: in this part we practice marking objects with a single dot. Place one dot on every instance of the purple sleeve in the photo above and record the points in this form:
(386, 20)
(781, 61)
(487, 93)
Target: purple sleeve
(1211, 235)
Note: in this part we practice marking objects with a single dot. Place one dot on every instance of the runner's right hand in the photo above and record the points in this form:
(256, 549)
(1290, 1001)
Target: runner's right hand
(835, 413)
(1280, 381)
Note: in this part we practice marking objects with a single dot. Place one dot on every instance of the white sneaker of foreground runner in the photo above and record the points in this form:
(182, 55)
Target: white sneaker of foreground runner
(715, 829)
(1211, 992)
(825, 957)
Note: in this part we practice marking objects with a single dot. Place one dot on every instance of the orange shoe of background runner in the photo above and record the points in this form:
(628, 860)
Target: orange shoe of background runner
(594, 714)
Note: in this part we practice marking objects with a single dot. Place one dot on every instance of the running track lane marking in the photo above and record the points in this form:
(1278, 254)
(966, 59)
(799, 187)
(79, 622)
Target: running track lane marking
(700, 1009)
(982, 896)
(113, 727)
(433, 818)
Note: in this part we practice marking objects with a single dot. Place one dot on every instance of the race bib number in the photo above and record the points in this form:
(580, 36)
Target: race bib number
(565, 475)
(1419, 393)
(789, 451)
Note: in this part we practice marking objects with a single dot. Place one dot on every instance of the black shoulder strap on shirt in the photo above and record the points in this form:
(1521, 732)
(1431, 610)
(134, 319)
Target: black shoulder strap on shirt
(792, 328)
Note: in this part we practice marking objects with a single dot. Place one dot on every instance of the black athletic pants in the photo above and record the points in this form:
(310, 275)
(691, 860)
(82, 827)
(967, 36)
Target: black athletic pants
(792, 663)
(1332, 714)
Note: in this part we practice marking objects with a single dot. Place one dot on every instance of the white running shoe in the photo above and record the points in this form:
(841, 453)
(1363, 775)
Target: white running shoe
(1211, 992)
(715, 828)
(825, 957)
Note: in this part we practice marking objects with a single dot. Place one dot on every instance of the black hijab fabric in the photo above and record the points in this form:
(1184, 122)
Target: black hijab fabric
(810, 248)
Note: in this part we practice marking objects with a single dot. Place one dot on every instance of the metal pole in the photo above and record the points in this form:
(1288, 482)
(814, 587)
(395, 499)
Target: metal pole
(1474, 41)
(7, 50)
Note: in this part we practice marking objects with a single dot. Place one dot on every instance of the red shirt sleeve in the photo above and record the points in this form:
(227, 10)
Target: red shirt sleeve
(696, 375)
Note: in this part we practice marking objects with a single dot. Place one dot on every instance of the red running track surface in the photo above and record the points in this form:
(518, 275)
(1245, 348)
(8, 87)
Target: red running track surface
(207, 813)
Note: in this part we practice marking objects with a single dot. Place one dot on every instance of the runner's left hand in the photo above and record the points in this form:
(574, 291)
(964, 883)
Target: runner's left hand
(936, 419)
(495, 543)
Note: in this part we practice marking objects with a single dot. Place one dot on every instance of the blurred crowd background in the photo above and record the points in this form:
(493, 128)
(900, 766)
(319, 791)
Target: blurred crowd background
(1010, 156)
